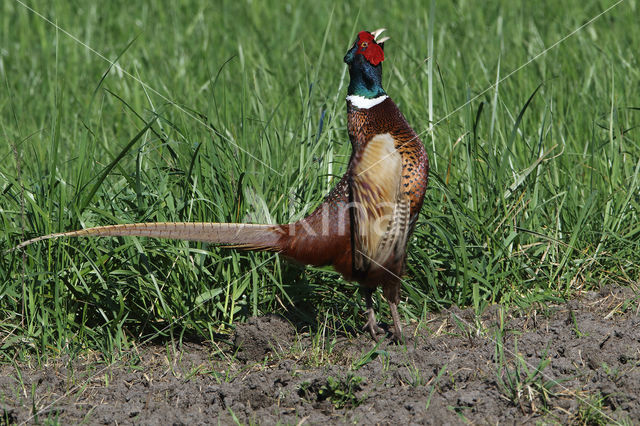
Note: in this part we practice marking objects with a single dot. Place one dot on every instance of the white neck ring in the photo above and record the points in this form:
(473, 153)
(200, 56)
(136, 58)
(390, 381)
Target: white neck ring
(361, 102)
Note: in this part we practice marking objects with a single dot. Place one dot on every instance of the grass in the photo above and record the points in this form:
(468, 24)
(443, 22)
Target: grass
(590, 412)
(341, 392)
(533, 194)
(523, 384)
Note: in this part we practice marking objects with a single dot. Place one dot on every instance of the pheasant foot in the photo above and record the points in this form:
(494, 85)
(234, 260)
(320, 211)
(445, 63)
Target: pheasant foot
(371, 325)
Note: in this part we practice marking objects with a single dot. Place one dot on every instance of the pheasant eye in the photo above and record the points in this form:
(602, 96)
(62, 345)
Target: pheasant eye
(364, 45)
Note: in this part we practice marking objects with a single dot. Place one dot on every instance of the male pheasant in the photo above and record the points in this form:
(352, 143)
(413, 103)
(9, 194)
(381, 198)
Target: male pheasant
(363, 225)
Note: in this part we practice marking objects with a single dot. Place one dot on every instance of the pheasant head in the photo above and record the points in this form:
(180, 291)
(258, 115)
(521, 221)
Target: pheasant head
(365, 64)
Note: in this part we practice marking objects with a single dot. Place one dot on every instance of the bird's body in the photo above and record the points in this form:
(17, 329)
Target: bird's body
(363, 225)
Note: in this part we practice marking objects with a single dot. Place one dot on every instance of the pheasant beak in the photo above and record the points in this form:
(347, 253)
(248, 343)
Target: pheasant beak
(377, 32)
(382, 40)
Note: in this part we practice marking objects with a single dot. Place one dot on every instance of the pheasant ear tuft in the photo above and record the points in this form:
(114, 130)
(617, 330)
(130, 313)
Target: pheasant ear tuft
(377, 33)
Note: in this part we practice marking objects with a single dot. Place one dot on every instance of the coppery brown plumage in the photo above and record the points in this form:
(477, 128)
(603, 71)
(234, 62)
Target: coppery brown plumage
(363, 225)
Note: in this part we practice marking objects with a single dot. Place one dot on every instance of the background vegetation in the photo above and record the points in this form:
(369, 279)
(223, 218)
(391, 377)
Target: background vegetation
(234, 111)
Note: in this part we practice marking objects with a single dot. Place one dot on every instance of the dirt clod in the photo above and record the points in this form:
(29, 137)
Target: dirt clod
(258, 337)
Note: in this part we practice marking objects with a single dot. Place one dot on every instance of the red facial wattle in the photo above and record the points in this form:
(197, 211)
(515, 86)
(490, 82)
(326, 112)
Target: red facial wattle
(368, 47)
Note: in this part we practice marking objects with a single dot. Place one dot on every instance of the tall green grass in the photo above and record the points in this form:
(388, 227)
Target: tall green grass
(234, 111)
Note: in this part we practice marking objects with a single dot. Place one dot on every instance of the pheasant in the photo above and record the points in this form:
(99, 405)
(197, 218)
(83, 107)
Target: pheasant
(363, 225)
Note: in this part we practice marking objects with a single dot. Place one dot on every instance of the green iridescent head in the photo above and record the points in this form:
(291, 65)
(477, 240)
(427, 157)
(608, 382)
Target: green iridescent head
(365, 65)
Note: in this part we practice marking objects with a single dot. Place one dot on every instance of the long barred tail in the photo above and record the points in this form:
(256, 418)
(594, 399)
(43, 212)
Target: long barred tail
(238, 235)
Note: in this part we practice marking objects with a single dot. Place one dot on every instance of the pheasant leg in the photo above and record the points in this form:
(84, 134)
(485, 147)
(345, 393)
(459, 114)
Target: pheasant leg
(397, 325)
(371, 325)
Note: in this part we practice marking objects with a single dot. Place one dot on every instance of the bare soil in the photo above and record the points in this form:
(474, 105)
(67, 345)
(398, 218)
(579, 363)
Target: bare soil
(450, 371)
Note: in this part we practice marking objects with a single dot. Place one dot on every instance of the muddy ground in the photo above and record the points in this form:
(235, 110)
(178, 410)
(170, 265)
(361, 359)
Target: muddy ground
(575, 363)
